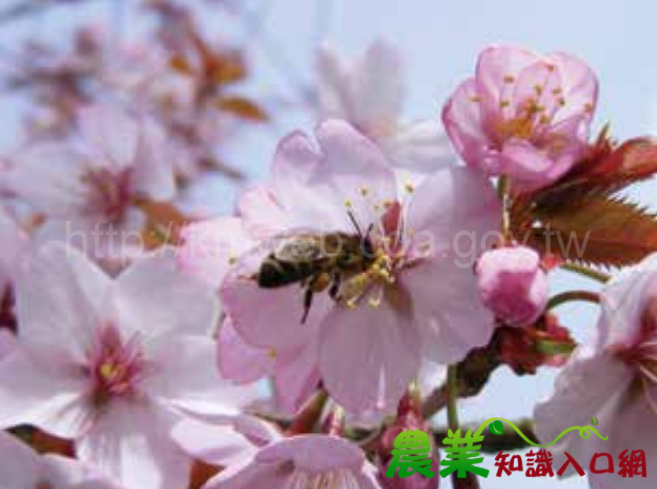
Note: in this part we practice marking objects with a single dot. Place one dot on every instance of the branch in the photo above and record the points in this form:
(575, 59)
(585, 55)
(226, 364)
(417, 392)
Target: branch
(508, 441)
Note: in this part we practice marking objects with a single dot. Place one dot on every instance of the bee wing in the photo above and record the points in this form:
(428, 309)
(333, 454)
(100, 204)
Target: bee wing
(293, 245)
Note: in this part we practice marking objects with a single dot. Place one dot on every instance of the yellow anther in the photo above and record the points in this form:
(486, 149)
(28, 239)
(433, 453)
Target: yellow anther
(373, 302)
(557, 91)
(538, 89)
(348, 203)
(504, 104)
(364, 191)
(232, 259)
(388, 203)
(271, 353)
(561, 101)
(376, 207)
(108, 370)
(475, 99)
(409, 187)
(509, 79)
(544, 119)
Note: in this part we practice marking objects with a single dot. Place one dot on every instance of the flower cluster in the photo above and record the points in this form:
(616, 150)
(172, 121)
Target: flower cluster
(135, 333)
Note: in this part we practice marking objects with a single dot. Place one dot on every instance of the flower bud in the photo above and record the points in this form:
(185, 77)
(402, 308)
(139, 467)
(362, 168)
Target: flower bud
(409, 418)
(513, 285)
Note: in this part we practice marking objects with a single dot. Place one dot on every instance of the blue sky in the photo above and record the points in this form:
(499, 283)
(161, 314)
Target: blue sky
(440, 40)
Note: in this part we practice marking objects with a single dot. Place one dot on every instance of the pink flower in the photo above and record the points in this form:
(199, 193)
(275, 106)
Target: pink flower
(257, 456)
(513, 285)
(92, 187)
(23, 468)
(113, 363)
(209, 250)
(14, 247)
(614, 378)
(523, 115)
(368, 92)
(413, 300)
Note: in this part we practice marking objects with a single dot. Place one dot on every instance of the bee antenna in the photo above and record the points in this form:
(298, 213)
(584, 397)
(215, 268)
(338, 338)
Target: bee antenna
(353, 220)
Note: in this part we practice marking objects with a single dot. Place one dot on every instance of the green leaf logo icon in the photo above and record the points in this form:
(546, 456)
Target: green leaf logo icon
(496, 427)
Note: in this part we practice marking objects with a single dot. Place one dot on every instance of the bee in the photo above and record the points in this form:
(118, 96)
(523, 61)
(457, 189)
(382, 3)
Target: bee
(318, 261)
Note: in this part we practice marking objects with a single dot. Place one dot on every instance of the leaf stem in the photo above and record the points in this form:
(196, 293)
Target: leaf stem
(452, 398)
(587, 272)
(571, 296)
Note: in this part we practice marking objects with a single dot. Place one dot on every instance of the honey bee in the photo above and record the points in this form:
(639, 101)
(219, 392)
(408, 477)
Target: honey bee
(318, 261)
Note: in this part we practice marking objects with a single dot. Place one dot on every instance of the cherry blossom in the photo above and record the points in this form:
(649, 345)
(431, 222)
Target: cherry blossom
(114, 363)
(14, 245)
(369, 93)
(513, 285)
(89, 188)
(612, 377)
(209, 248)
(23, 468)
(523, 115)
(255, 453)
(414, 301)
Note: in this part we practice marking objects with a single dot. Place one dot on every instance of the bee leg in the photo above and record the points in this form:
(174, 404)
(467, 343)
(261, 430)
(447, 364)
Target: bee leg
(307, 302)
(335, 286)
(317, 284)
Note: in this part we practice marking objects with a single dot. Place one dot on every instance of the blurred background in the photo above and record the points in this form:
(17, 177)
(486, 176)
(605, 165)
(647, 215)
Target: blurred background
(278, 39)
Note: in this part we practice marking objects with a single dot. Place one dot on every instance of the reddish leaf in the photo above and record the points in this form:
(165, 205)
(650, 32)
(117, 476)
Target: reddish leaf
(595, 229)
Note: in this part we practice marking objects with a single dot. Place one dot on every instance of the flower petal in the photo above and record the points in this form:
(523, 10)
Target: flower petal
(419, 147)
(240, 362)
(131, 442)
(184, 376)
(19, 464)
(49, 176)
(156, 300)
(270, 318)
(213, 444)
(65, 473)
(39, 395)
(61, 297)
(380, 344)
(314, 454)
(588, 386)
(209, 246)
(452, 204)
(111, 132)
(377, 88)
(448, 310)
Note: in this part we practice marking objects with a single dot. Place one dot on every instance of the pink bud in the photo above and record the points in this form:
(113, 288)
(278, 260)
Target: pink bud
(409, 418)
(513, 285)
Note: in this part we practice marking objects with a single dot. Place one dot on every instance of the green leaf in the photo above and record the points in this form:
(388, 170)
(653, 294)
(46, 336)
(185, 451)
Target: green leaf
(496, 427)
(594, 421)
